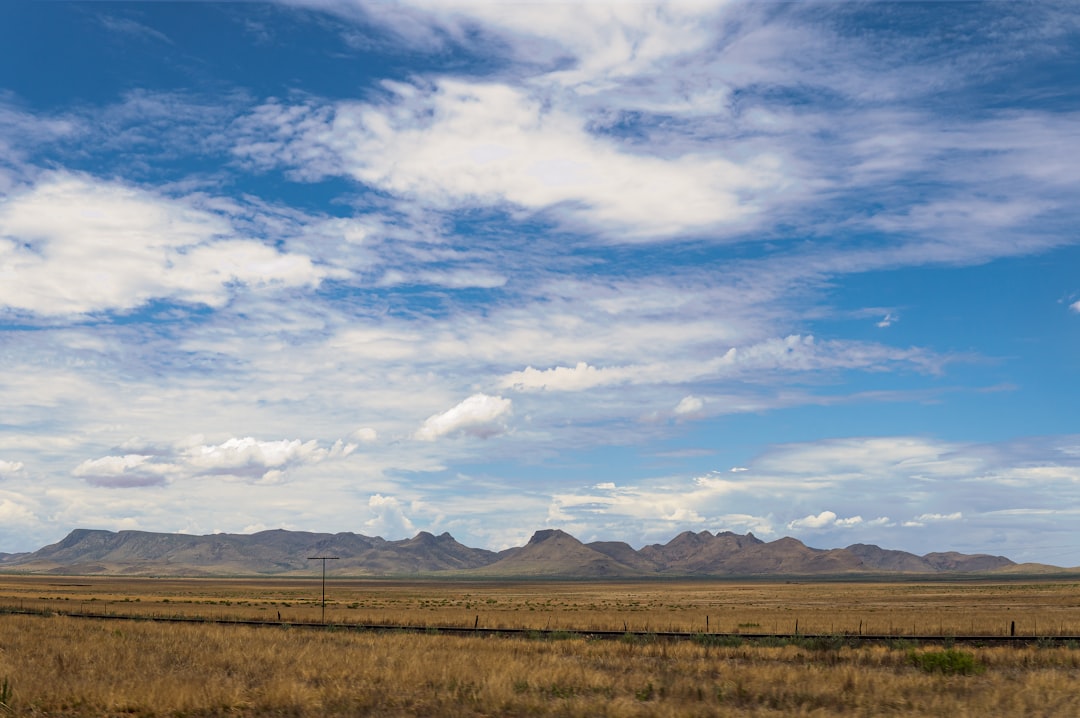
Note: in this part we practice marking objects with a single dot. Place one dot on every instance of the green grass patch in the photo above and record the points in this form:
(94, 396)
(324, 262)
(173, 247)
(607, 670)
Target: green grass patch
(950, 662)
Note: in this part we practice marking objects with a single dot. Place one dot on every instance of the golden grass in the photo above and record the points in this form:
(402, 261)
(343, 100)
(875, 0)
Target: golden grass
(1045, 608)
(64, 666)
(72, 667)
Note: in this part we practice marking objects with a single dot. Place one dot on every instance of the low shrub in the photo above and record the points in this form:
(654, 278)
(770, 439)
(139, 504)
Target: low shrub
(949, 662)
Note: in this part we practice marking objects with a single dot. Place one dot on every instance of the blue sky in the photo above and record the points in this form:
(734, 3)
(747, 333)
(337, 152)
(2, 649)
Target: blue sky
(624, 269)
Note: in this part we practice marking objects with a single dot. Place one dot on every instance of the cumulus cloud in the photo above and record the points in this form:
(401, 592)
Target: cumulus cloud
(247, 457)
(71, 243)
(248, 452)
(10, 467)
(622, 122)
(128, 470)
(480, 415)
(365, 435)
(822, 520)
(389, 520)
(15, 514)
(561, 378)
(829, 519)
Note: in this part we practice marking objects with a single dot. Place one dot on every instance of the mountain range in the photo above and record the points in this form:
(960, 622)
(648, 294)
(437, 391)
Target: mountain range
(549, 553)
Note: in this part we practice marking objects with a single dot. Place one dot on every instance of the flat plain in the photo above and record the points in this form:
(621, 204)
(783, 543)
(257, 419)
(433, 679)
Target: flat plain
(55, 663)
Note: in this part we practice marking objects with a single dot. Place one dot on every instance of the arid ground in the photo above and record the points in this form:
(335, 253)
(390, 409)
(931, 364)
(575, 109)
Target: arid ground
(54, 663)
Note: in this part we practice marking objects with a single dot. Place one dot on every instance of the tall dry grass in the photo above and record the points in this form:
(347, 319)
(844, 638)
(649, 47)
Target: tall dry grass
(1046, 608)
(61, 666)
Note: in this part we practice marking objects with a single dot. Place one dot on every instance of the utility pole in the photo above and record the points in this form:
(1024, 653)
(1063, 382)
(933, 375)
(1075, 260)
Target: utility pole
(324, 559)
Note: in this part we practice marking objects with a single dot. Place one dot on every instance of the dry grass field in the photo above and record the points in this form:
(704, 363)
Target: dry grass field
(66, 666)
(1045, 608)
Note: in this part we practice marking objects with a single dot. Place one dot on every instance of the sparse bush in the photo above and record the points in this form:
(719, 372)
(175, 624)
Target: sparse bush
(822, 643)
(634, 639)
(949, 662)
(724, 641)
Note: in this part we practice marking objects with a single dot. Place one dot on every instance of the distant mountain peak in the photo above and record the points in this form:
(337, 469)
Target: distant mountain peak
(549, 552)
(548, 535)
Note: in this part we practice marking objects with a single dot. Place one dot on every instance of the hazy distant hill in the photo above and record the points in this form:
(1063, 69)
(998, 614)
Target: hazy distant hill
(266, 553)
(548, 553)
(555, 553)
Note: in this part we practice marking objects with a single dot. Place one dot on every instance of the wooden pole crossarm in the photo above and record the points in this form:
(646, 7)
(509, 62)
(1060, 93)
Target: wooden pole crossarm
(324, 559)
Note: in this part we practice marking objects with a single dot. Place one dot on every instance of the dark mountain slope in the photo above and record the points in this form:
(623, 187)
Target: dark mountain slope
(550, 553)
(555, 553)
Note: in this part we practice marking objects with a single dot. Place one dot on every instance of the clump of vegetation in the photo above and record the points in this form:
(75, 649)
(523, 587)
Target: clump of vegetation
(721, 640)
(645, 694)
(5, 695)
(949, 662)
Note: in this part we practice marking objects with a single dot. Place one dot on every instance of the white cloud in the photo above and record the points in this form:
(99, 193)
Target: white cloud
(127, 26)
(875, 456)
(689, 406)
(955, 516)
(828, 519)
(10, 467)
(479, 415)
(265, 461)
(560, 378)
(129, 470)
(365, 435)
(15, 514)
(793, 353)
(461, 144)
(457, 279)
(110, 465)
(249, 452)
(621, 122)
(607, 41)
(822, 520)
(389, 520)
(73, 244)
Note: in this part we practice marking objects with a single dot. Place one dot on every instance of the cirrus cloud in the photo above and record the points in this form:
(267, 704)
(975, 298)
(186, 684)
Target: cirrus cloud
(460, 144)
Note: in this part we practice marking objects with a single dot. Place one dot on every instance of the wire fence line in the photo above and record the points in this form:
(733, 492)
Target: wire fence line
(812, 640)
